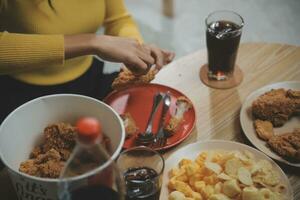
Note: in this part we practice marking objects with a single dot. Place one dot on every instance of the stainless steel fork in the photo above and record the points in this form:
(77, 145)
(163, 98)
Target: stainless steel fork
(160, 138)
(147, 137)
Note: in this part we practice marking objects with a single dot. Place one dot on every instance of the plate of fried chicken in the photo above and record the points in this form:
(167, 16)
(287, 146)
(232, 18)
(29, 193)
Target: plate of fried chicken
(270, 119)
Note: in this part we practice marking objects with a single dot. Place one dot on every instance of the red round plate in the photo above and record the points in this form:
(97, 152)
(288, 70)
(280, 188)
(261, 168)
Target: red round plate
(137, 101)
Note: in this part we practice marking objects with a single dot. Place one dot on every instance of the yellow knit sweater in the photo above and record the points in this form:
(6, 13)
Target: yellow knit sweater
(32, 42)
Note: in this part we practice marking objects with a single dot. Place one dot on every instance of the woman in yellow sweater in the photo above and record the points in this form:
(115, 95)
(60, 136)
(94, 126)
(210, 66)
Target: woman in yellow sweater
(46, 47)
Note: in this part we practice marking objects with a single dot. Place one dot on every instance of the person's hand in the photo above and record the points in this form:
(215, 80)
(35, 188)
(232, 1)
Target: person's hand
(137, 57)
(162, 57)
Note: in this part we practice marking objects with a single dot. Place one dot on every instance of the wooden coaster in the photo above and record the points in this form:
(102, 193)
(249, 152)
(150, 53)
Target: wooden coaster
(233, 81)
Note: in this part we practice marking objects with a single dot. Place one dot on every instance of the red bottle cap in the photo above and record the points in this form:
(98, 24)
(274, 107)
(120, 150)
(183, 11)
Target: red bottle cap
(89, 129)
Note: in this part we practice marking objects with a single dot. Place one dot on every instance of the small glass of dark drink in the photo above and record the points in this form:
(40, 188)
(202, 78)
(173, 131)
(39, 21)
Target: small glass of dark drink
(223, 34)
(142, 168)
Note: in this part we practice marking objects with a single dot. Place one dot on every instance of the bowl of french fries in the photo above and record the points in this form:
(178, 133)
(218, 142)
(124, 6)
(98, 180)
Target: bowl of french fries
(223, 170)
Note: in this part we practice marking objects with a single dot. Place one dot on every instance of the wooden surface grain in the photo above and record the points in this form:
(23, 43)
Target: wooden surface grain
(218, 110)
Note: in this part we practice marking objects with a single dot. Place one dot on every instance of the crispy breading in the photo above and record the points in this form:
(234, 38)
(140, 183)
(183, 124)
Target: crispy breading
(126, 78)
(29, 167)
(47, 159)
(287, 145)
(172, 125)
(52, 154)
(282, 147)
(264, 129)
(293, 138)
(36, 151)
(47, 165)
(293, 94)
(51, 168)
(130, 125)
(59, 136)
(276, 106)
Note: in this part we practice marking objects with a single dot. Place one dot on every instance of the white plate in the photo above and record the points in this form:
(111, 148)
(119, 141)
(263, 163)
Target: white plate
(246, 120)
(191, 151)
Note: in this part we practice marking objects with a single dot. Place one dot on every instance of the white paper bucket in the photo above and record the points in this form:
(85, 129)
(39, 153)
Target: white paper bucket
(22, 130)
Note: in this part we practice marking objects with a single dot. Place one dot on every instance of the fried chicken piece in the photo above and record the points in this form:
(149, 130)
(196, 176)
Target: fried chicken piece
(29, 167)
(36, 152)
(44, 165)
(172, 126)
(47, 159)
(126, 78)
(287, 145)
(49, 164)
(52, 154)
(65, 154)
(276, 106)
(293, 138)
(130, 125)
(51, 169)
(295, 96)
(61, 137)
(264, 129)
(282, 147)
(182, 105)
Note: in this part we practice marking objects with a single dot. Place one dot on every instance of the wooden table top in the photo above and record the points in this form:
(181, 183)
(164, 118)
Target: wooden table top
(218, 110)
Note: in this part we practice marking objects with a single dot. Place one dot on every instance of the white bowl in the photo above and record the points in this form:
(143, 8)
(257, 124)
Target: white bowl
(22, 130)
(191, 151)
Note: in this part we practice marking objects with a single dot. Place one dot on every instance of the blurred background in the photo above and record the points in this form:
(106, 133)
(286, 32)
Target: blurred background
(265, 21)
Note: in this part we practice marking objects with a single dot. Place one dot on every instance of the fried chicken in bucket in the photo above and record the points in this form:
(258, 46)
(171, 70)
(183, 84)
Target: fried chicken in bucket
(47, 159)
(47, 165)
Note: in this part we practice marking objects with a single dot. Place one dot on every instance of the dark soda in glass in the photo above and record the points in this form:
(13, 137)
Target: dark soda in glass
(142, 169)
(142, 183)
(222, 39)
